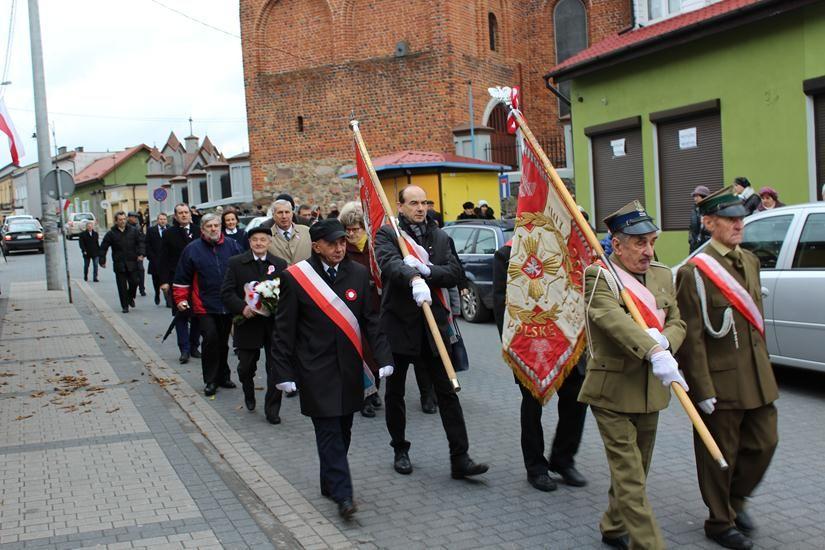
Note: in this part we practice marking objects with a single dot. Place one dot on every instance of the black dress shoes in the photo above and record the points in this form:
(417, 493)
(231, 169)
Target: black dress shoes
(124, 309)
(542, 482)
(732, 538)
(402, 463)
(250, 403)
(428, 404)
(184, 358)
(367, 410)
(132, 303)
(347, 508)
(571, 476)
(157, 300)
(273, 419)
(467, 468)
(376, 401)
(196, 354)
(617, 542)
(143, 293)
(210, 390)
(744, 522)
(227, 384)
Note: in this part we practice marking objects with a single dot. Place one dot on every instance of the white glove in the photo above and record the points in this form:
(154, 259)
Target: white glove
(666, 369)
(708, 405)
(421, 292)
(287, 386)
(660, 338)
(415, 263)
(383, 372)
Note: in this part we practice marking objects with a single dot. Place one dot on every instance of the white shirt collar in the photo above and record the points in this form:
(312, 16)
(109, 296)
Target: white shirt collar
(262, 258)
(232, 232)
(289, 231)
(327, 266)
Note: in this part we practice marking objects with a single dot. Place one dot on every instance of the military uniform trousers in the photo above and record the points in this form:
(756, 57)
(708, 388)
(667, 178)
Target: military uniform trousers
(568, 430)
(127, 285)
(332, 436)
(628, 441)
(449, 407)
(215, 330)
(747, 439)
(248, 365)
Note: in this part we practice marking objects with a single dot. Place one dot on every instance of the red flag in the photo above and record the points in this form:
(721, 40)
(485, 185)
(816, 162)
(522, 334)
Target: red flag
(374, 215)
(515, 101)
(6, 127)
(544, 317)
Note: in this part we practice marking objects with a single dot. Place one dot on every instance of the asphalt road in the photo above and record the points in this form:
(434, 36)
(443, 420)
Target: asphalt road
(428, 509)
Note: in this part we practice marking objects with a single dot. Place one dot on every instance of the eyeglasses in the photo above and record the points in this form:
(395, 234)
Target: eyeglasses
(354, 229)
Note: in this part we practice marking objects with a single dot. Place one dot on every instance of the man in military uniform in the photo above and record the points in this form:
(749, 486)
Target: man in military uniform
(725, 359)
(630, 370)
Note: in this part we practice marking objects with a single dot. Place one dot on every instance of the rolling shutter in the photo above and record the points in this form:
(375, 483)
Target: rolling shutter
(617, 180)
(819, 137)
(690, 154)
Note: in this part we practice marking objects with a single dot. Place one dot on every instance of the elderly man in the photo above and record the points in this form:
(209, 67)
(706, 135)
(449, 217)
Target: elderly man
(127, 247)
(154, 248)
(197, 286)
(630, 371)
(469, 212)
(324, 313)
(406, 285)
(133, 219)
(290, 241)
(725, 359)
(90, 248)
(697, 234)
(255, 330)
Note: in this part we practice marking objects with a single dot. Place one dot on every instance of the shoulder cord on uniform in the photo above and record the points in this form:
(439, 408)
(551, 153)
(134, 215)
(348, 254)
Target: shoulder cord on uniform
(728, 321)
(611, 283)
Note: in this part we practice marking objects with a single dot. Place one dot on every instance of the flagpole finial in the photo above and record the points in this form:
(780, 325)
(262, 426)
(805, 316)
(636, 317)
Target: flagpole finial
(354, 124)
(502, 93)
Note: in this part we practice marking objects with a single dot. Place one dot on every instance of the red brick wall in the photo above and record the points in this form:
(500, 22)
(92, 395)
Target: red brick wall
(322, 59)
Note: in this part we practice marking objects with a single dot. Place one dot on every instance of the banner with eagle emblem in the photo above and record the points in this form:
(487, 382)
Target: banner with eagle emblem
(544, 316)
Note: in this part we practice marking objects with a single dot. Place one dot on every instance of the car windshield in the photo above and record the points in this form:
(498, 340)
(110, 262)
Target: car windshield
(23, 226)
(80, 217)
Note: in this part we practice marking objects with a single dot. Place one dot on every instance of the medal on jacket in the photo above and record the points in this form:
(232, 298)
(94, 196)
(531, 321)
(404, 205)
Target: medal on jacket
(351, 295)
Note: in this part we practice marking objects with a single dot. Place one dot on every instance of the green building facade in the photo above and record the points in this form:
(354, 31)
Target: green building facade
(754, 88)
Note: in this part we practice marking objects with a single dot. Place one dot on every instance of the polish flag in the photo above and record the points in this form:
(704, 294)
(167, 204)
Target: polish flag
(515, 101)
(6, 126)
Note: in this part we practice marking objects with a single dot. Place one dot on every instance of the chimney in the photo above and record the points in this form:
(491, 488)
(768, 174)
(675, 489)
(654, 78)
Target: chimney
(61, 150)
(78, 149)
(191, 144)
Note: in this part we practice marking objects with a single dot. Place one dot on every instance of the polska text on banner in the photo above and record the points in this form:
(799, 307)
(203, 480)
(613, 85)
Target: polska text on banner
(544, 315)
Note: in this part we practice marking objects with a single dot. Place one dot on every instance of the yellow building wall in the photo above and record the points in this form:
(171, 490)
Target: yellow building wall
(460, 187)
(428, 182)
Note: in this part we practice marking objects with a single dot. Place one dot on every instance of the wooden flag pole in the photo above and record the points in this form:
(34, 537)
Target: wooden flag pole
(402, 244)
(594, 243)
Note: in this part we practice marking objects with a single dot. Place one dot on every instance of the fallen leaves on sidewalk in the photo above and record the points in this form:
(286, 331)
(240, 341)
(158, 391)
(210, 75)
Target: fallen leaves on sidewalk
(6, 374)
(37, 394)
(24, 417)
(110, 411)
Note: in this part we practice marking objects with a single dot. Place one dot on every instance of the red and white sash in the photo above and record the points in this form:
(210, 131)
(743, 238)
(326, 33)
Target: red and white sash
(424, 257)
(644, 299)
(334, 308)
(727, 284)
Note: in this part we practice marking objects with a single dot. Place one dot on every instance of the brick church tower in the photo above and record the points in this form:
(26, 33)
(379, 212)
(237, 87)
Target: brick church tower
(406, 68)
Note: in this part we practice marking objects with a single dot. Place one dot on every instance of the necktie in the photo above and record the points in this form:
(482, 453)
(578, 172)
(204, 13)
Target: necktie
(188, 233)
(261, 268)
(332, 273)
(286, 235)
(736, 258)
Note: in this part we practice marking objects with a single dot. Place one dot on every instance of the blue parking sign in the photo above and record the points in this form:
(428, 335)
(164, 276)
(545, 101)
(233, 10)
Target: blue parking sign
(504, 186)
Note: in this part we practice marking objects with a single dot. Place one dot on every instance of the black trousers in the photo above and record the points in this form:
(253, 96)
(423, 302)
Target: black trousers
(568, 430)
(141, 277)
(90, 260)
(452, 417)
(156, 286)
(333, 435)
(248, 366)
(127, 284)
(215, 347)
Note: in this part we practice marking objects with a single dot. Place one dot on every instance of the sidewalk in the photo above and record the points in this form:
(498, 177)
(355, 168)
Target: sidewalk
(94, 453)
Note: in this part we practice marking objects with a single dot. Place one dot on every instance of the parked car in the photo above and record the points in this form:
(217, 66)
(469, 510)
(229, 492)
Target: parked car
(25, 234)
(255, 222)
(790, 245)
(12, 217)
(76, 223)
(475, 242)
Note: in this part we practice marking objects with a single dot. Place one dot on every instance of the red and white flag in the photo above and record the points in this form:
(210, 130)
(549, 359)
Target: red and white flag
(374, 215)
(7, 127)
(515, 101)
(544, 317)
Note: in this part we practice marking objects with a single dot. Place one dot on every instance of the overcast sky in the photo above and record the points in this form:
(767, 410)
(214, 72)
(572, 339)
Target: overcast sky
(123, 72)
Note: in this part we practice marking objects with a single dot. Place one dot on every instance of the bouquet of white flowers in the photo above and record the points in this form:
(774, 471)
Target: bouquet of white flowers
(261, 297)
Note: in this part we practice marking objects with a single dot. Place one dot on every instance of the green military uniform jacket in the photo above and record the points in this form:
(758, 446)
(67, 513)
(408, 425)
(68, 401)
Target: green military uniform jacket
(619, 377)
(739, 378)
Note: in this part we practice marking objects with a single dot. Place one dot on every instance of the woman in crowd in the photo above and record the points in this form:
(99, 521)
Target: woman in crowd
(229, 223)
(351, 217)
(770, 199)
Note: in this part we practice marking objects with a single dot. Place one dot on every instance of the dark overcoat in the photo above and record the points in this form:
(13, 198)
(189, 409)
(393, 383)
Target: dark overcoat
(89, 244)
(174, 241)
(126, 246)
(154, 246)
(252, 333)
(309, 349)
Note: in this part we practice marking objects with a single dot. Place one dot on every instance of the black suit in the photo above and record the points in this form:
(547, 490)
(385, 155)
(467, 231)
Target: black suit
(309, 349)
(126, 246)
(175, 239)
(90, 248)
(154, 250)
(571, 413)
(141, 270)
(255, 332)
(410, 339)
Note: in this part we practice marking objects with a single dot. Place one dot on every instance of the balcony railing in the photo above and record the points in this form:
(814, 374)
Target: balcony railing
(510, 153)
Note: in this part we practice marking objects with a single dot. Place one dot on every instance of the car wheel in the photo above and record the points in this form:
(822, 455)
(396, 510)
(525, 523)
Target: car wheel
(472, 309)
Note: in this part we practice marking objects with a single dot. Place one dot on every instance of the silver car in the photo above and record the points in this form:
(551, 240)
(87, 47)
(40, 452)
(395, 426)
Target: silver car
(790, 245)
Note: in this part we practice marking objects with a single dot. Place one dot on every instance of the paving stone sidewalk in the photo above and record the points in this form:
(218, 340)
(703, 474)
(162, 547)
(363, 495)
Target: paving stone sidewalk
(94, 455)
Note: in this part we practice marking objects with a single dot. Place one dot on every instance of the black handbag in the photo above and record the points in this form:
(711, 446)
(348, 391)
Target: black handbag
(458, 353)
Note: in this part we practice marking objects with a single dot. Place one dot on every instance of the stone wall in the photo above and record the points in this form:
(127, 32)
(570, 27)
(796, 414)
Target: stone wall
(309, 182)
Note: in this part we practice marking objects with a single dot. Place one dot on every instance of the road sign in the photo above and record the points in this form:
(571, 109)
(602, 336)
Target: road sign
(160, 194)
(50, 184)
(504, 186)
(104, 204)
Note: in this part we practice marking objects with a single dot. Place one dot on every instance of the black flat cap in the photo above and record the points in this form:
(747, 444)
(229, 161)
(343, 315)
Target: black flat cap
(329, 230)
(259, 229)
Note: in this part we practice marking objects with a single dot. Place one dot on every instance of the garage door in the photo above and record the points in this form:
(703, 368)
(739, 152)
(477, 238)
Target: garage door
(618, 173)
(690, 154)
